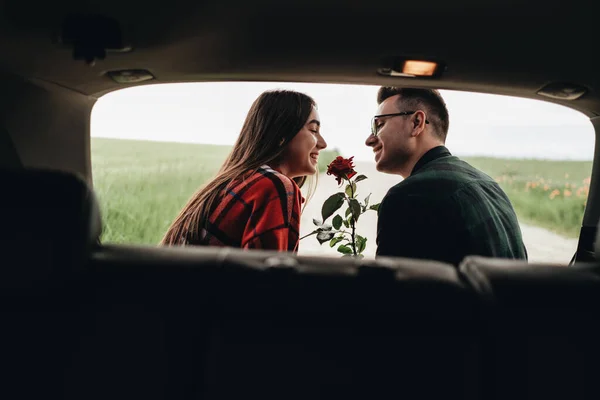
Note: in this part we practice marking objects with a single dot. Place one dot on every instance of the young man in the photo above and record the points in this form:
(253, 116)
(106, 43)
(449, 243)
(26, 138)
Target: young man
(444, 209)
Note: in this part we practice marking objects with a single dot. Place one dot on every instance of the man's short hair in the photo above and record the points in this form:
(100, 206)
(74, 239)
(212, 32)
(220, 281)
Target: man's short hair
(415, 98)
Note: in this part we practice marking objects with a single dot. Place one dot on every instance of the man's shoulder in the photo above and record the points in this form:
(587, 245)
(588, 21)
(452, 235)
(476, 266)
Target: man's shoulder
(440, 179)
(452, 168)
(448, 172)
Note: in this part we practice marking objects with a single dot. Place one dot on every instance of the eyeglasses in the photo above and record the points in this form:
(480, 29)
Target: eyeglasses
(375, 128)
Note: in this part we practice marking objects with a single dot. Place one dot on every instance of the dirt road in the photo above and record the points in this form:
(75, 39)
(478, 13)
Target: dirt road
(542, 245)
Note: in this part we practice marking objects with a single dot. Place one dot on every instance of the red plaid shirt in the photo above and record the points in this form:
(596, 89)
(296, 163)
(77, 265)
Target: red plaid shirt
(261, 211)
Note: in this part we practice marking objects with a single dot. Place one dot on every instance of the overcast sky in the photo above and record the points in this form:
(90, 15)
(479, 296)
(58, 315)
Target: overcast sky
(480, 124)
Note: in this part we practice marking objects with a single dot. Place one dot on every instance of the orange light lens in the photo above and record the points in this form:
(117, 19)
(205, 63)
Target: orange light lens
(419, 68)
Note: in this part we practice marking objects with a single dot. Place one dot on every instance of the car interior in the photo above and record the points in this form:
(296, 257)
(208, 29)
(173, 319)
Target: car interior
(86, 320)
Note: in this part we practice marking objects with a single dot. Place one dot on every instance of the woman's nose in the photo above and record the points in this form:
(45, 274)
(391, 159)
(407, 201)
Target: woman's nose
(321, 143)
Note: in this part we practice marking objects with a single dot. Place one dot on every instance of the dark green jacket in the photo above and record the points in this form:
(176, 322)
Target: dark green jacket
(445, 210)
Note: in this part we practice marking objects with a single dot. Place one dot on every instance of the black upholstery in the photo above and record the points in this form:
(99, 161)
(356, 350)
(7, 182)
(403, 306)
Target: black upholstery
(49, 225)
(208, 323)
(9, 158)
(50, 222)
(597, 245)
(543, 328)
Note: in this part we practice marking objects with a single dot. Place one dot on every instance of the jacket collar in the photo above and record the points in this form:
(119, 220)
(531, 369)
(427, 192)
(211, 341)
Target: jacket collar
(433, 154)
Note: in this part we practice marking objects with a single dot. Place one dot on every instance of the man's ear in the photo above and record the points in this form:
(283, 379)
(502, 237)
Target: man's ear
(419, 122)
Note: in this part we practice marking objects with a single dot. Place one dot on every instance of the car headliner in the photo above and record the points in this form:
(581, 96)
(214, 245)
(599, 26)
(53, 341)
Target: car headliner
(501, 47)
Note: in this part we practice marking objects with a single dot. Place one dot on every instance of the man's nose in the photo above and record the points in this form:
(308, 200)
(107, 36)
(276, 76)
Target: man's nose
(371, 140)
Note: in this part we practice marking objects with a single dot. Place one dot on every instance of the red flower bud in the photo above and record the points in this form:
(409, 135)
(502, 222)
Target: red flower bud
(341, 168)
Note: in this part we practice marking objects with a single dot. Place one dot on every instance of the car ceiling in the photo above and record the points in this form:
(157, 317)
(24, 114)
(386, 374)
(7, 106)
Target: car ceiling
(502, 47)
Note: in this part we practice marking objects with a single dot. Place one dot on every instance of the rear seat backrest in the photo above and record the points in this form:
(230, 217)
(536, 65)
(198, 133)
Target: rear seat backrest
(223, 323)
(597, 244)
(50, 222)
(543, 328)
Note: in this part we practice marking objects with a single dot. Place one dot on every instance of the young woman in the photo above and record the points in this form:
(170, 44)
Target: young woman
(254, 200)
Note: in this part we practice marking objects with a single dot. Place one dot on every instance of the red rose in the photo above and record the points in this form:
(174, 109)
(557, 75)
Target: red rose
(341, 168)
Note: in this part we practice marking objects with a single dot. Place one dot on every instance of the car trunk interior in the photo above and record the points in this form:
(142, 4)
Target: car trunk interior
(88, 320)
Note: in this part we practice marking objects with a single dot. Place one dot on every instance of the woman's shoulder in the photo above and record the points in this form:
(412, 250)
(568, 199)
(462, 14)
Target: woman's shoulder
(268, 178)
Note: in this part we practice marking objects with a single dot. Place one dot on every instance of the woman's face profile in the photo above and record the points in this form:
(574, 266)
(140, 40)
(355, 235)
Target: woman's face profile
(301, 154)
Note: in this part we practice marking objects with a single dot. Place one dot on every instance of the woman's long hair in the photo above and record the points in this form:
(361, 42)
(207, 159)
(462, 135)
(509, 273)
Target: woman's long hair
(275, 117)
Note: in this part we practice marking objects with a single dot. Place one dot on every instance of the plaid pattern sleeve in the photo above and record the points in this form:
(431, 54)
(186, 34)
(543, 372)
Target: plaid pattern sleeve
(259, 212)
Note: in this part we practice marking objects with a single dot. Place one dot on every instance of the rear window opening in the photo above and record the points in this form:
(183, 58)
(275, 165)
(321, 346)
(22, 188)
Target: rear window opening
(153, 146)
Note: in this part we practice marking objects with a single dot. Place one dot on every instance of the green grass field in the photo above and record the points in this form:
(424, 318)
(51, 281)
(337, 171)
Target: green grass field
(550, 194)
(142, 186)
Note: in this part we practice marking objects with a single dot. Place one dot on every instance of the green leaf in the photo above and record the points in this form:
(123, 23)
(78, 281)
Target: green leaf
(317, 222)
(375, 207)
(335, 241)
(322, 237)
(331, 205)
(346, 224)
(355, 206)
(348, 212)
(337, 221)
(360, 178)
(361, 244)
(367, 200)
(351, 190)
(344, 249)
